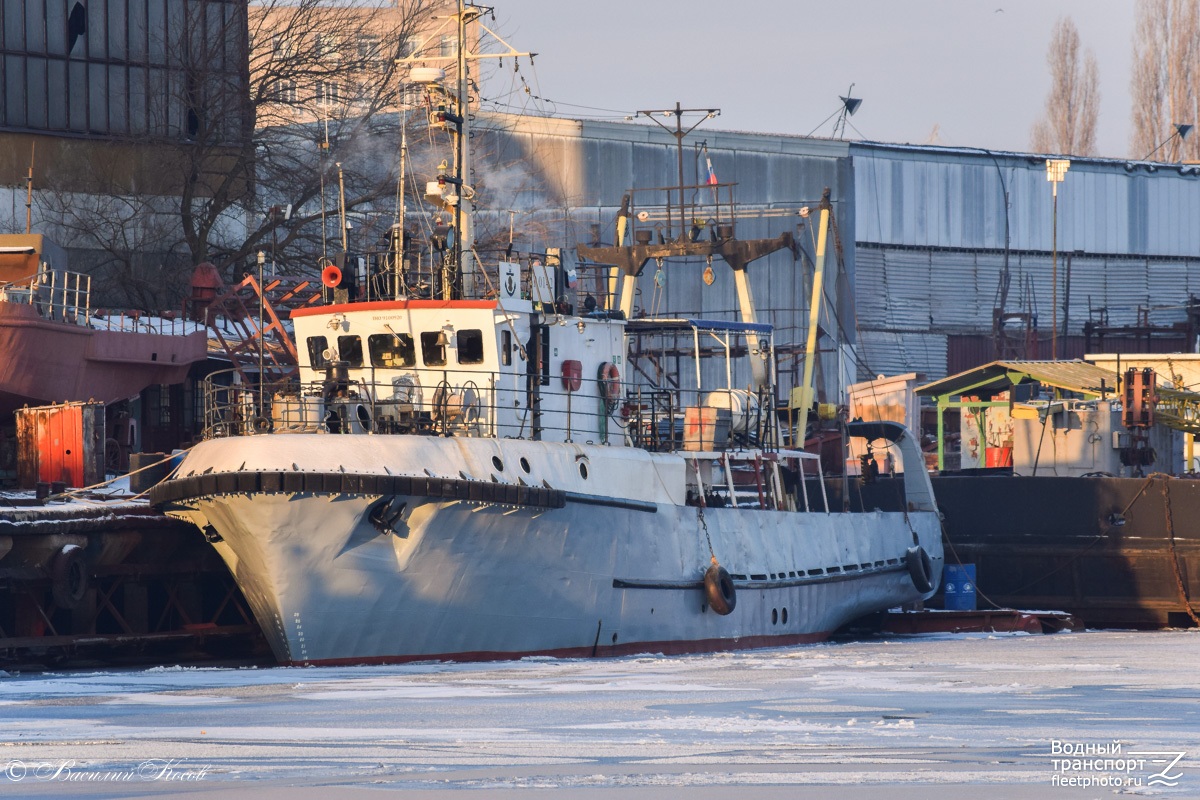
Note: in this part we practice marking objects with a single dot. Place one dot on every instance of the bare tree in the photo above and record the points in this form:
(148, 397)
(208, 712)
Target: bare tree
(1165, 85)
(322, 77)
(280, 106)
(1072, 106)
(129, 244)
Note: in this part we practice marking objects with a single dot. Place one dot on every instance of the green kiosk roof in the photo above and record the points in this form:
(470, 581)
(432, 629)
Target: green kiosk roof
(999, 376)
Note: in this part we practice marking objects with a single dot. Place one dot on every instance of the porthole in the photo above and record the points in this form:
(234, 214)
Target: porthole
(774, 616)
(583, 470)
(524, 465)
(783, 616)
(497, 463)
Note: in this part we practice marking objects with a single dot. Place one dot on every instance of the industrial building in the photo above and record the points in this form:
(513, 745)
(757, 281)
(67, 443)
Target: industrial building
(948, 256)
(925, 233)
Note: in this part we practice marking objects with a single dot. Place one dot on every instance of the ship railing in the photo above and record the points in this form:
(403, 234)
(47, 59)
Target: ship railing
(733, 459)
(63, 296)
(56, 295)
(593, 287)
(480, 403)
(671, 213)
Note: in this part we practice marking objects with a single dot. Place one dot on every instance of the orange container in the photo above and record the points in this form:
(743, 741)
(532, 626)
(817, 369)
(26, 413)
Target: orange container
(60, 443)
(998, 456)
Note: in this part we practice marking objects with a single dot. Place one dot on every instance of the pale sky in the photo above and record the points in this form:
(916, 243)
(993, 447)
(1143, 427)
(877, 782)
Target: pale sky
(975, 70)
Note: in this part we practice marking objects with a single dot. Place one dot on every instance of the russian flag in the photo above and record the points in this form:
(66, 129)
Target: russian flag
(712, 175)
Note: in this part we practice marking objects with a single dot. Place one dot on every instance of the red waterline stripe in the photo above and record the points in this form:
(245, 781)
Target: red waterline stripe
(670, 648)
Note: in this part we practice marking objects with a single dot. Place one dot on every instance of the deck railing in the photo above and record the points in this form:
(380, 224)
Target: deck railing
(457, 402)
(62, 296)
(434, 402)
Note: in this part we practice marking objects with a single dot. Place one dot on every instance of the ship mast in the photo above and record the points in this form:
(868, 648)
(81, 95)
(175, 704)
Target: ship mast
(458, 118)
(679, 133)
(738, 254)
(464, 240)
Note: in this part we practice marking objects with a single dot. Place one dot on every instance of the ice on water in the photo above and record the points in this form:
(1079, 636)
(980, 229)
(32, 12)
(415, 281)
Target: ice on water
(935, 711)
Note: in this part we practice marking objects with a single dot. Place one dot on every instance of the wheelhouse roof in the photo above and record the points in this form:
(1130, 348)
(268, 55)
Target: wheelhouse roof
(391, 305)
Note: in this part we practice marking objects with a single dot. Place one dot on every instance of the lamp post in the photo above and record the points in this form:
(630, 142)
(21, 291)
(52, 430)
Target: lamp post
(1056, 170)
(262, 257)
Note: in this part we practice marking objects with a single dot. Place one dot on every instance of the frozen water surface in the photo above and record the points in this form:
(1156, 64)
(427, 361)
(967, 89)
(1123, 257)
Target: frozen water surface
(897, 717)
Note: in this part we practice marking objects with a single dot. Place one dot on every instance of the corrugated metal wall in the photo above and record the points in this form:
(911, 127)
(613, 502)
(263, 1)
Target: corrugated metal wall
(923, 229)
(931, 240)
(953, 198)
(123, 70)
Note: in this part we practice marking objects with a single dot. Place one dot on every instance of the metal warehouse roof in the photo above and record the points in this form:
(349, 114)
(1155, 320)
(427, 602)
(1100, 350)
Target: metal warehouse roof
(1071, 376)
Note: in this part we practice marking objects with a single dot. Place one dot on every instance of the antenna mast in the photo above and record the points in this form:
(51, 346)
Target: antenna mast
(464, 243)
(679, 133)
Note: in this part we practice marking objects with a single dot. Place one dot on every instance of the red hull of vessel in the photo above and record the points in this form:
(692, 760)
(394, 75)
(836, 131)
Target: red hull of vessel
(49, 362)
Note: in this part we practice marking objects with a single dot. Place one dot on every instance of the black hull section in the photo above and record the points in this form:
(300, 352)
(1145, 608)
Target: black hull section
(1115, 552)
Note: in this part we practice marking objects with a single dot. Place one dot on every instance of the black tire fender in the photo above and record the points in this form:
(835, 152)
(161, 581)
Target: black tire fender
(719, 590)
(70, 577)
(920, 568)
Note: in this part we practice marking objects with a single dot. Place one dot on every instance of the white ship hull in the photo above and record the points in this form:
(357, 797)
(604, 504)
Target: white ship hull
(617, 568)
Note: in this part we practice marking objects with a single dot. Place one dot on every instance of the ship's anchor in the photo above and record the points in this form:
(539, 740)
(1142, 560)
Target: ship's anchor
(386, 514)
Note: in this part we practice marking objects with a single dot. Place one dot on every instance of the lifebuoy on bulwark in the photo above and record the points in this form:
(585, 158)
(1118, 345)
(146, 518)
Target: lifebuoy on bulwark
(718, 589)
(920, 568)
(608, 380)
(69, 577)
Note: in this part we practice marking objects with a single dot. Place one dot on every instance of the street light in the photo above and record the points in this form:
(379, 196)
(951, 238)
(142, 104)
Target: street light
(1056, 170)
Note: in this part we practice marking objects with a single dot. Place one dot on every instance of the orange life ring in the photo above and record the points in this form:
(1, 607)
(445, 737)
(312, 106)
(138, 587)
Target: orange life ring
(608, 380)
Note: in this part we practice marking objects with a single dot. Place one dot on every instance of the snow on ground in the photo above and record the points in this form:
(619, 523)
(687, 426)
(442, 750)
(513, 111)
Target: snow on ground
(921, 717)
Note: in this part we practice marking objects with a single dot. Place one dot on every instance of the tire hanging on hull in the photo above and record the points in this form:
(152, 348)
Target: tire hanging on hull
(719, 590)
(920, 568)
(69, 577)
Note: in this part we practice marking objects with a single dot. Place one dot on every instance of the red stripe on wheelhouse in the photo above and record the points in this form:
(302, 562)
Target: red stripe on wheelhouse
(391, 305)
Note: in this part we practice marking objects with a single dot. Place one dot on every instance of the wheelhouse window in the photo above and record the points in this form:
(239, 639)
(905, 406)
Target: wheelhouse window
(350, 350)
(506, 348)
(391, 350)
(470, 346)
(433, 348)
(317, 345)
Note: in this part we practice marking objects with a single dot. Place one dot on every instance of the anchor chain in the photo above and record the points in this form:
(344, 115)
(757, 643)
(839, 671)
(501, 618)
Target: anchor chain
(1183, 592)
(700, 511)
(707, 538)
